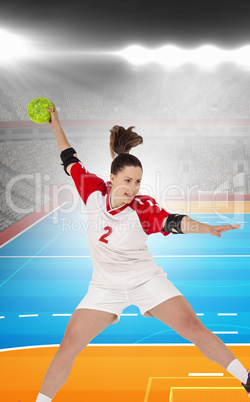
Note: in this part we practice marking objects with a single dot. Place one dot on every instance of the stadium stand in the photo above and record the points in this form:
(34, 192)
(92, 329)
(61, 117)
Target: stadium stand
(212, 164)
(177, 94)
(24, 182)
(204, 162)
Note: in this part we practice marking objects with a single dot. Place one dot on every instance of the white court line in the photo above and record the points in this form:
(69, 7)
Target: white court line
(23, 231)
(225, 332)
(2, 316)
(205, 374)
(227, 314)
(28, 315)
(202, 255)
(118, 344)
(124, 315)
(68, 315)
(129, 315)
(61, 315)
(226, 223)
(162, 256)
(45, 256)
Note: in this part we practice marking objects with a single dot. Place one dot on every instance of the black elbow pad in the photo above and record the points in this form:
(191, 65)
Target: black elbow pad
(173, 222)
(67, 157)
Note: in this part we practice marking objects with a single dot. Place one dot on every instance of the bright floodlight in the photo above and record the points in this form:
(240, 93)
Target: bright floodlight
(12, 46)
(169, 55)
(242, 55)
(137, 55)
(206, 56)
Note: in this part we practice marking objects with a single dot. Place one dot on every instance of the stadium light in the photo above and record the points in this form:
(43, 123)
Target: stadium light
(169, 55)
(204, 56)
(12, 46)
(207, 56)
(137, 54)
(243, 55)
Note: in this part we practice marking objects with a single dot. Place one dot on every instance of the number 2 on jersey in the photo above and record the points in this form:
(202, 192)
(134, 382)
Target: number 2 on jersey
(103, 237)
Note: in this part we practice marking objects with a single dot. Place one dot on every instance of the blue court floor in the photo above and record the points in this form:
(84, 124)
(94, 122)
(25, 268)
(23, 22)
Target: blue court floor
(46, 270)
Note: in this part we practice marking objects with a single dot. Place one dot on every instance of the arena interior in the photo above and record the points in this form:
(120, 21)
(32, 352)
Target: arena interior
(195, 124)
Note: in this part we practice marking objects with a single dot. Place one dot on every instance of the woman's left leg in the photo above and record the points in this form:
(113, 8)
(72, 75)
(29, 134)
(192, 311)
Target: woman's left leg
(178, 314)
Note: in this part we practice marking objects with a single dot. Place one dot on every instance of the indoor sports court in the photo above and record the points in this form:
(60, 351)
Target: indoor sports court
(178, 73)
(45, 272)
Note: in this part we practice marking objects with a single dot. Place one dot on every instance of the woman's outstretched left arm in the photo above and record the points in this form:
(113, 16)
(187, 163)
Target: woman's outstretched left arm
(188, 225)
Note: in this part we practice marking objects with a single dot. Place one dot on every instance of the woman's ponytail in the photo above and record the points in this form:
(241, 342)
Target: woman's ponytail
(121, 142)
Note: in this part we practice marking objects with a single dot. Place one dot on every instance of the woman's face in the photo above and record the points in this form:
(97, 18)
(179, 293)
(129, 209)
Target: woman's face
(125, 185)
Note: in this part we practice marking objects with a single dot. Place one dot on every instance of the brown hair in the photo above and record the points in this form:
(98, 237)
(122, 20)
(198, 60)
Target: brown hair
(121, 142)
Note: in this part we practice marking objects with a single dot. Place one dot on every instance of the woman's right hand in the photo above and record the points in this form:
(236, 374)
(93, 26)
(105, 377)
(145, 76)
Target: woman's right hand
(54, 115)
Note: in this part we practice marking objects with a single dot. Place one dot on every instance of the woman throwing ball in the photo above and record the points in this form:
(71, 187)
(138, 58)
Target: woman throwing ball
(124, 271)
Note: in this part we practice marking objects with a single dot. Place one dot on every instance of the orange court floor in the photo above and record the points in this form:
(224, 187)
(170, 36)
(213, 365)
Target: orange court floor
(125, 374)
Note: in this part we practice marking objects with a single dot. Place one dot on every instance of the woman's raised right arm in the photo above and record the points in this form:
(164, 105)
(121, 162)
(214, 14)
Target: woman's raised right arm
(60, 136)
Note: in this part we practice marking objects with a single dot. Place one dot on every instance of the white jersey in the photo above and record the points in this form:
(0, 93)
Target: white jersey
(117, 237)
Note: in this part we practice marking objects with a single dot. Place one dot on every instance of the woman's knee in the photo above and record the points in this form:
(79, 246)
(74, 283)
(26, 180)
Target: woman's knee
(70, 345)
(192, 330)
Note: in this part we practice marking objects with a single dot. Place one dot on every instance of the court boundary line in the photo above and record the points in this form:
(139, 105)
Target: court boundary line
(156, 256)
(148, 389)
(199, 388)
(30, 226)
(181, 378)
(115, 344)
(30, 259)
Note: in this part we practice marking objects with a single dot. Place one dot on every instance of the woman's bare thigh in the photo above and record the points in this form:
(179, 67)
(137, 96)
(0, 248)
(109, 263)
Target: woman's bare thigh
(178, 314)
(83, 326)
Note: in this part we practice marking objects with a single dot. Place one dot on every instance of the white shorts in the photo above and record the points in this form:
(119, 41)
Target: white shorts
(115, 299)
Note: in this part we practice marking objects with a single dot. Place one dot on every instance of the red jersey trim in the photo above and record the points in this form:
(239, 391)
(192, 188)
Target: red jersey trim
(109, 209)
(150, 213)
(86, 183)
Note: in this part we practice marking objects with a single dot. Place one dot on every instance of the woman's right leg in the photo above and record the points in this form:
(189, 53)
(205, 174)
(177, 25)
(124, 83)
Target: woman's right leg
(83, 326)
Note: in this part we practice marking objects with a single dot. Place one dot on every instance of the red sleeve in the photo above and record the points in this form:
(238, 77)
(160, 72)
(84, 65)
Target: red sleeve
(86, 183)
(151, 215)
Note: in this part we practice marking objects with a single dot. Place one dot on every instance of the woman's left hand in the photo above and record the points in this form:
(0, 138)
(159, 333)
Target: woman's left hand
(217, 230)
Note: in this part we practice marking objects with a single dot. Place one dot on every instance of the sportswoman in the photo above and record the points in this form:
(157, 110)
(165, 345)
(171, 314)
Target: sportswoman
(124, 271)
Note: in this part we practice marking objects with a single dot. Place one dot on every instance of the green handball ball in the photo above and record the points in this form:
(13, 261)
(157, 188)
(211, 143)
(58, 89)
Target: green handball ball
(37, 110)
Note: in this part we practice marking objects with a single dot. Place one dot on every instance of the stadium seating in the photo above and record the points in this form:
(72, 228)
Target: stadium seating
(154, 94)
